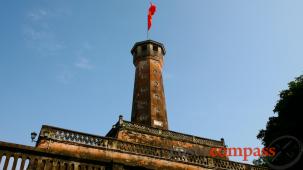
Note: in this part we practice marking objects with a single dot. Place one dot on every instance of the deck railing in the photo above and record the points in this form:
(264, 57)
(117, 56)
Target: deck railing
(20, 157)
(63, 135)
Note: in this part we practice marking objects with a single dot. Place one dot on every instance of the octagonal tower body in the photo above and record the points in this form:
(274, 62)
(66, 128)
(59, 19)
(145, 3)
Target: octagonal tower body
(149, 108)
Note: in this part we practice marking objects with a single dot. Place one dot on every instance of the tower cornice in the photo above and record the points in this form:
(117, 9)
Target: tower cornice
(148, 42)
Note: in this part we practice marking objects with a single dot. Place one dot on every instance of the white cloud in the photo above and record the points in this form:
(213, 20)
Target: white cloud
(87, 46)
(38, 36)
(42, 40)
(83, 63)
(65, 76)
(37, 14)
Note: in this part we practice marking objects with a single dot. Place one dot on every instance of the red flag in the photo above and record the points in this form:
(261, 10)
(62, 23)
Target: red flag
(151, 12)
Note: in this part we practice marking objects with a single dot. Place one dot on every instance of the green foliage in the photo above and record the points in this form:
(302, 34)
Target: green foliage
(289, 111)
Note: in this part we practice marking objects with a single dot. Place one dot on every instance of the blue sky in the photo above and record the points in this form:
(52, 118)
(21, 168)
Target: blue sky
(68, 64)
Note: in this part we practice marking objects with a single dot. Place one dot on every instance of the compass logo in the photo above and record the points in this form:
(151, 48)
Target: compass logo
(288, 152)
(242, 152)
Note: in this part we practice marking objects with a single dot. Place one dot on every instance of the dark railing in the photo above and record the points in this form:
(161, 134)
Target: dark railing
(63, 135)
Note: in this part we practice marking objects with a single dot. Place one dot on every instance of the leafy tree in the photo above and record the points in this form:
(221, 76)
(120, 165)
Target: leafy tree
(289, 116)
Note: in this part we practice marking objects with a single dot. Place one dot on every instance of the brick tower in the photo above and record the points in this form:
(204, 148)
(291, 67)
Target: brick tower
(149, 107)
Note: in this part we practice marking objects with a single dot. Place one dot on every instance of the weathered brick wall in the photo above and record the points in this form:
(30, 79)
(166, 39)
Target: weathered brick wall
(182, 146)
(108, 155)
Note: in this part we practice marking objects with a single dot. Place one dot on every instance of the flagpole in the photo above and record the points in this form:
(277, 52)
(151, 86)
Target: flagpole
(147, 32)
